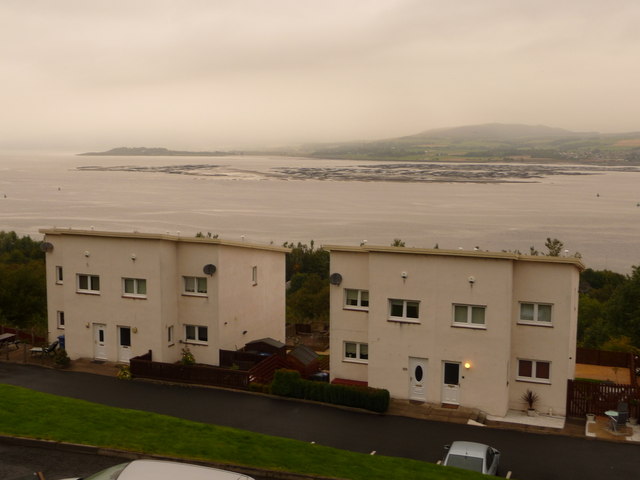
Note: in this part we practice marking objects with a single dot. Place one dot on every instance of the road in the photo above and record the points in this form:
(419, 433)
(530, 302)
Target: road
(529, 456)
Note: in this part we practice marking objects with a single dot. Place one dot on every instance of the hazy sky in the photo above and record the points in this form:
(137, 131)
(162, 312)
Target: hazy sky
(94, 74)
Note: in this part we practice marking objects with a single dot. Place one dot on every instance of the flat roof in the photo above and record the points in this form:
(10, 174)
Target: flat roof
(160, 236)
(457, 253)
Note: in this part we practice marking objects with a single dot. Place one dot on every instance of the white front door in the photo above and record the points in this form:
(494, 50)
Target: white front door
(417, 379)
(99, 341)
(451, 383)
(124, 344)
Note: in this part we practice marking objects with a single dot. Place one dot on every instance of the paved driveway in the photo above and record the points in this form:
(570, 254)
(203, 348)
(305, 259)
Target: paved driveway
(529, 456)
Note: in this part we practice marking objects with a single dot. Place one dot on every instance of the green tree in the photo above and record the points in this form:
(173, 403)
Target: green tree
(397, 243)
(554, 247)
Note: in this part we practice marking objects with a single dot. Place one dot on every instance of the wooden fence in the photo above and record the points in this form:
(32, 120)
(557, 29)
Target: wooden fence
(602, 357)
(143, 366)
(24, 336)
(590, 397)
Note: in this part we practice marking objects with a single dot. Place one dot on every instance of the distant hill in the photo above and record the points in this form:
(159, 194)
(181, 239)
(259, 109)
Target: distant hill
(156, 152)
(494, 142)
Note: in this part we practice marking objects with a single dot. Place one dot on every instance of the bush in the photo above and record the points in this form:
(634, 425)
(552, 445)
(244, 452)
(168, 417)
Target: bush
(288, 383)
(124, 372)
(259, 387)
(61, 359)
(187, 357)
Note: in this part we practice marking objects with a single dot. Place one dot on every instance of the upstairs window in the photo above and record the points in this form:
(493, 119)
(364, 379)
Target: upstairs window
(469, 316)
(134, 287)
(59, 275)
(535, 314)
(404, 310)
(356, 299)
(195, 285)
(88, 283)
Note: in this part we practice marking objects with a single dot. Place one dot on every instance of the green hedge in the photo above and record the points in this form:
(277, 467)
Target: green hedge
(288, 383)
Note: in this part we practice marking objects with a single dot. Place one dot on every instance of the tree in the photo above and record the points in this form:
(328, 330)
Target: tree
(554, 247)
(397, 243)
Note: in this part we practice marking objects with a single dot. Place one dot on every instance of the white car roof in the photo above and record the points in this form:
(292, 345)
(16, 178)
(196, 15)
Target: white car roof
(469, 449)
(163, 470)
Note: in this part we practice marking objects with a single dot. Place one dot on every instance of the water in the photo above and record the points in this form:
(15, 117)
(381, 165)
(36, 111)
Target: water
(596, 214)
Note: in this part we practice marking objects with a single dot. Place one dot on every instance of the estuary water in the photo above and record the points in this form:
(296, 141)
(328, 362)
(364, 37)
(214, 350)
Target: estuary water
(594, 211)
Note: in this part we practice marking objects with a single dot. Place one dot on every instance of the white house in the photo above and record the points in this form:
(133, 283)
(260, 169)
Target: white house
(466, 328)
(117, 295)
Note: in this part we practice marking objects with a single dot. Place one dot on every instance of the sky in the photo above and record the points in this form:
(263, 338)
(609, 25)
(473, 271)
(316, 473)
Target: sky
(212, 74)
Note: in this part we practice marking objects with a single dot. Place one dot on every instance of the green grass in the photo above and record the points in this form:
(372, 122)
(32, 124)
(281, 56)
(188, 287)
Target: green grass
(26, 413)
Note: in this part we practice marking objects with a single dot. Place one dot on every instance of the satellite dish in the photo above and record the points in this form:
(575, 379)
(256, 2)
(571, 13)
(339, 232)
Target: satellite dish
(209, 269)
(335, 279)
(46, 247)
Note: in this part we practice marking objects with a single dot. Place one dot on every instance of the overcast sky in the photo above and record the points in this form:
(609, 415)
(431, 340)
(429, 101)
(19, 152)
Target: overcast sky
(207, 74)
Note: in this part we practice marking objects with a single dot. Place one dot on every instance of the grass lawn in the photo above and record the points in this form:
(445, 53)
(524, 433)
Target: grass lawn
(27, 413)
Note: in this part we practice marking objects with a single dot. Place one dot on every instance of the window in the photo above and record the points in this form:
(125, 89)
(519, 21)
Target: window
(535, 314)
(356, 352)
(196, 333)
(534, 371)
(195, 285)
(134, 287)
(59, 275)
(60, 319)
(88, 283)
(404, 310)
(254, 275)
(170, 335)
(356, 299)
(468, 316)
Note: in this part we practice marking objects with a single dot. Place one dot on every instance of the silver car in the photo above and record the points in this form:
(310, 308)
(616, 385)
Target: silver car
(472, 456)
(162, 470)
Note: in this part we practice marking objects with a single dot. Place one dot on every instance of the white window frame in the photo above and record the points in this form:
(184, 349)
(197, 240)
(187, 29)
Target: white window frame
(196, 291)
(197, 337)
(534, 368)
(91, 279)
(468, 323)
(404, 318)
(136, 287)
(59, 275)
(254, 275)
(360, 356)
(60, 319)
(170, 336)
(536, 316)
(359, 300)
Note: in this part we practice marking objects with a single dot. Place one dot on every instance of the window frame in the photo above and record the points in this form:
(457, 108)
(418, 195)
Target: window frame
(469, 323)
(135, 293)
(358, 353)
(404, 318)
(90, 281)
(170, 336)
(534, 370)
(59, 273)
(358, 306)
(196, 292)
(535, 321)
(197, 340)
(60, 323)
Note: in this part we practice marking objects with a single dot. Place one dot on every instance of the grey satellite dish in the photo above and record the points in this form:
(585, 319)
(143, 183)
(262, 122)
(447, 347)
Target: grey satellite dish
(209, 269)
(335, 279)
(46, 247)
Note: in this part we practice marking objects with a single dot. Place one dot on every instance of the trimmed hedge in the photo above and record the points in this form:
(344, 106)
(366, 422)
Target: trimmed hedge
(288, 383)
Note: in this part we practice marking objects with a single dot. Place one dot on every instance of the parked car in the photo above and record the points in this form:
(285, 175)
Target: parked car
(162, 470)
(472, 456)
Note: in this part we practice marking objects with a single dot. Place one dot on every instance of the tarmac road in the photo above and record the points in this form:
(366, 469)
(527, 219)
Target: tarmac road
(529, 456)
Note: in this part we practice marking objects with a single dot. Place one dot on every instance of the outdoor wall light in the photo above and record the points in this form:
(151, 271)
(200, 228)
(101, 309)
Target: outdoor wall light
(133, 257)
(467, 365)
(86, 253)
(404, 275)
(86, 325)
(134, 329)
(472, 280)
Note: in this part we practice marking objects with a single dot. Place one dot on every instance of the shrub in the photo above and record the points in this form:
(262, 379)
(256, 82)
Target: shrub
(124, 372)
(187, 357)
(259, 387)
(288, 383)
(61, 359)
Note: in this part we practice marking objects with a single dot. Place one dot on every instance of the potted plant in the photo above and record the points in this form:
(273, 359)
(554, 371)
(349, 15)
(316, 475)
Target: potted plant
(531, 398)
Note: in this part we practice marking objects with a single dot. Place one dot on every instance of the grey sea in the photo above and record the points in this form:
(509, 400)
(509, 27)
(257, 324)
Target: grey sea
(594, 211)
